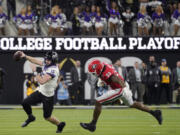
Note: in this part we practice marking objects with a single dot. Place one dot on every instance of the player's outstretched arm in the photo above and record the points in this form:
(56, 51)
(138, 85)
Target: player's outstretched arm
(31, 59)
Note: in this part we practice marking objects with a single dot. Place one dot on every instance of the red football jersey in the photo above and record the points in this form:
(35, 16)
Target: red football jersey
(107, 72)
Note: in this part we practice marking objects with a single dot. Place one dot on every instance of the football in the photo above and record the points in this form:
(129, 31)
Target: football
(17, 56)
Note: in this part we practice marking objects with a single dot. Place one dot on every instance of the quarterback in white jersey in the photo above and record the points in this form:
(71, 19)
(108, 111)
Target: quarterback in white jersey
(48, 88)
(47, 78)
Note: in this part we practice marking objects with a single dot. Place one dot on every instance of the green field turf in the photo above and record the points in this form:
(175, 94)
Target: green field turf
(111, 122)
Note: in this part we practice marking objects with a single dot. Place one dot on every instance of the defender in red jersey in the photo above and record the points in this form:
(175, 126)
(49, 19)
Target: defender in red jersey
(120, 90)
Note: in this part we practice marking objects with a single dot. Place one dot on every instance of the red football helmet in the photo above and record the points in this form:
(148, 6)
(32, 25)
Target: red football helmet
(95, 67)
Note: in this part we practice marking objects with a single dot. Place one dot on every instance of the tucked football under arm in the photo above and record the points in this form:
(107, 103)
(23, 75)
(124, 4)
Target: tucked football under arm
(43, 79)
(116, 79)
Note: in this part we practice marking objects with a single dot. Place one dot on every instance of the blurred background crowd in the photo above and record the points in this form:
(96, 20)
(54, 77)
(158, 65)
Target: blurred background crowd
(152, 83)
(89, 17)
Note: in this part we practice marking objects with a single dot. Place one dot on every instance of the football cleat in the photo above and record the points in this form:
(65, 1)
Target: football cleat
(60, 127)
(158, 115)
(88, 126)
(29, 120)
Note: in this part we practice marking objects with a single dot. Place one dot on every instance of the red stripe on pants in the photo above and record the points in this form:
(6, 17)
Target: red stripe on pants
(103, 100)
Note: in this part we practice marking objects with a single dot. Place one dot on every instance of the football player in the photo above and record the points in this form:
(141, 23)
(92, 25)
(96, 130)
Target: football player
(120, 90)
(47, 79)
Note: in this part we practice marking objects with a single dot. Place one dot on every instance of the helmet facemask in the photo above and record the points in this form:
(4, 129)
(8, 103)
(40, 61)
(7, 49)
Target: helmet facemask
(51, 56)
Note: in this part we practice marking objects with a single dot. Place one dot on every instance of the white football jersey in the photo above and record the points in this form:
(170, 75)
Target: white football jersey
(49, 87)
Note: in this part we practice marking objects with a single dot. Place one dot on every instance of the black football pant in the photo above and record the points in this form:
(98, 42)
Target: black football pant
(35, 98)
